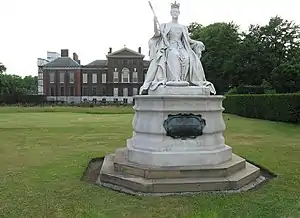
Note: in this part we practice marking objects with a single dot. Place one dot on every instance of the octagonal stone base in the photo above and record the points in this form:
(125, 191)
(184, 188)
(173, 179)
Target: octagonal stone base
(120, 174)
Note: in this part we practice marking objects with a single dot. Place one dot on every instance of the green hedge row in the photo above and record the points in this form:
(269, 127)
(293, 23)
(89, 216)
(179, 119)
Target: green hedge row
(22, 99)
(275, 107)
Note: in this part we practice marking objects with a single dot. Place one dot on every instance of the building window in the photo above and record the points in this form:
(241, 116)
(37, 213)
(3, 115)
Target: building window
(125, 75)
(84, 78)
(125, 62)
(134, 91)
(134, 62)
(52, 91)
(125, 92)
(62, 91)
(72, 77)
(85, 91)
(62, 77)
(103, 77)
(72, 91)
(116, 61)
(52, 77)
(94, 79)
(116, 77)
(135, 77)
(40, 76)
(102, 91)
(116, 92)
(94, 91)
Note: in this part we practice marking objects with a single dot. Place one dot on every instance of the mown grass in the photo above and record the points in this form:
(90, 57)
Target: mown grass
(90, 110)
(43, 155)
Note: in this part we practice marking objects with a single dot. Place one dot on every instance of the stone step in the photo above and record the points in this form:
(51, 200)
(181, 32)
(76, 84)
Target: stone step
(243, 177)
(172, 185)
(122, 165)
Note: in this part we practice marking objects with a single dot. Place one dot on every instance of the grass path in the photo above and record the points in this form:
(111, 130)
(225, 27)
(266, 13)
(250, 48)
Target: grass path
(43, 155)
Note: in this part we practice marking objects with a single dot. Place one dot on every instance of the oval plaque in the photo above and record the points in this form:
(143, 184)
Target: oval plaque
(184, 126)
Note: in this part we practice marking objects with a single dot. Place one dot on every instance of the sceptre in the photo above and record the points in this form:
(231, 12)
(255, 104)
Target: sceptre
(164, 38)
(153, 11)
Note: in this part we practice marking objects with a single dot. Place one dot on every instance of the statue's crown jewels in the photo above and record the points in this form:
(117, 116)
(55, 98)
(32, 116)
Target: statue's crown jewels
(175, 5)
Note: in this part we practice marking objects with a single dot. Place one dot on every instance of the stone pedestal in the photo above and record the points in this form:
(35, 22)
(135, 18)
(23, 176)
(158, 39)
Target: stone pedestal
(153, 162)
(150, 145)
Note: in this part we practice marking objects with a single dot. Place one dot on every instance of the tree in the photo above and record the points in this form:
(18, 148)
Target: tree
(14, 85)
(2, 68)
(264, 48)
(286, 78)
(222, 41)
(30, 84)
(2, 77)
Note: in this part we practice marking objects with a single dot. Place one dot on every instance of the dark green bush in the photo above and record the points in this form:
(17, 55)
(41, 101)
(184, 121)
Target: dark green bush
(247, 89)
(22, 99)
(276, 107)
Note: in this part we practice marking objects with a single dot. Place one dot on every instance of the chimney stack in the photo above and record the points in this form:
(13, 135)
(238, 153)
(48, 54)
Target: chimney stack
(140, 50)
(75, 57)
(64, 53)
(110, 50)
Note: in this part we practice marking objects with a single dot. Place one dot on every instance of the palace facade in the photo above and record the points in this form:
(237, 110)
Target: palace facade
(118, 78)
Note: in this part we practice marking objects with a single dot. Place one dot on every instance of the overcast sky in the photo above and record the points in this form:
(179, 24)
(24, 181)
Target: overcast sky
(30, 28)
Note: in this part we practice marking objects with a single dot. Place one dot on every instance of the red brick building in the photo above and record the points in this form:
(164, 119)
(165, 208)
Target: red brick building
(118, 78)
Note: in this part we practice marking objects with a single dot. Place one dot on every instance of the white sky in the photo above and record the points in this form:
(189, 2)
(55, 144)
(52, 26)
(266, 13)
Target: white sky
(30, 28)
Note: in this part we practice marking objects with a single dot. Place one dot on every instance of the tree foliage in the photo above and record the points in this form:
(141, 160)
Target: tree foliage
(14, 84)
(2, 68)
(255, 57)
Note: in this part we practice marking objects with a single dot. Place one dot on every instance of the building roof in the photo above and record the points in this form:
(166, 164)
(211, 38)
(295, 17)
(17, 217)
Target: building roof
(97, 63)
(125, 52)
(62, 62)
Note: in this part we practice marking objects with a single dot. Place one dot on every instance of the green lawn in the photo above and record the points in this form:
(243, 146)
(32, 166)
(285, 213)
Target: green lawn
(43, 156)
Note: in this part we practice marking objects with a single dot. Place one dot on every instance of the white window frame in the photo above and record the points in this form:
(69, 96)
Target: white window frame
(126, 72)
(116, 92)
(116, 77)
(125, 92)
(94, 78)
(61, 77)
(134, 91)
(85, 78)
(52, 75)
(135, 78)
(72, 73)
(40, 76)
(103, 77)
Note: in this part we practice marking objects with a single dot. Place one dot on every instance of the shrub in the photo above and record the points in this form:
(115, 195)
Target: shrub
(246, 89)
(22, 99)
(276, 107)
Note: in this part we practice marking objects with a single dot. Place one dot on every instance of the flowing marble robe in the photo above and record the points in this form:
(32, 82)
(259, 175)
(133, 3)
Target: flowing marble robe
(159, 50)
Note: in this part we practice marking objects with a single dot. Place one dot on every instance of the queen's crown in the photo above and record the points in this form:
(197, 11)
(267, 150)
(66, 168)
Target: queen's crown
(175, 5)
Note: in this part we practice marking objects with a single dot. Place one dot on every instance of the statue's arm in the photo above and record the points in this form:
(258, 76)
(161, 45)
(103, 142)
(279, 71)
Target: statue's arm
(156, 29)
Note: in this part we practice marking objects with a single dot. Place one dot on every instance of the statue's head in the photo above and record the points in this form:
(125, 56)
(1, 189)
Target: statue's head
(175, 12)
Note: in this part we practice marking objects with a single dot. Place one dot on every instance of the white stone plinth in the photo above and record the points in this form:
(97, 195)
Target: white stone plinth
(150, 145)
(183, 158)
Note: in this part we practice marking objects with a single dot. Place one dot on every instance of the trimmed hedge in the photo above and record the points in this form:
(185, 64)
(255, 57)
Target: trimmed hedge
(275, 107)
(22, 99)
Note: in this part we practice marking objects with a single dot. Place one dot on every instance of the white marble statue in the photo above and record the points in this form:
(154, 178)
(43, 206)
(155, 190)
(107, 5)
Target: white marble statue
(174, 56)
